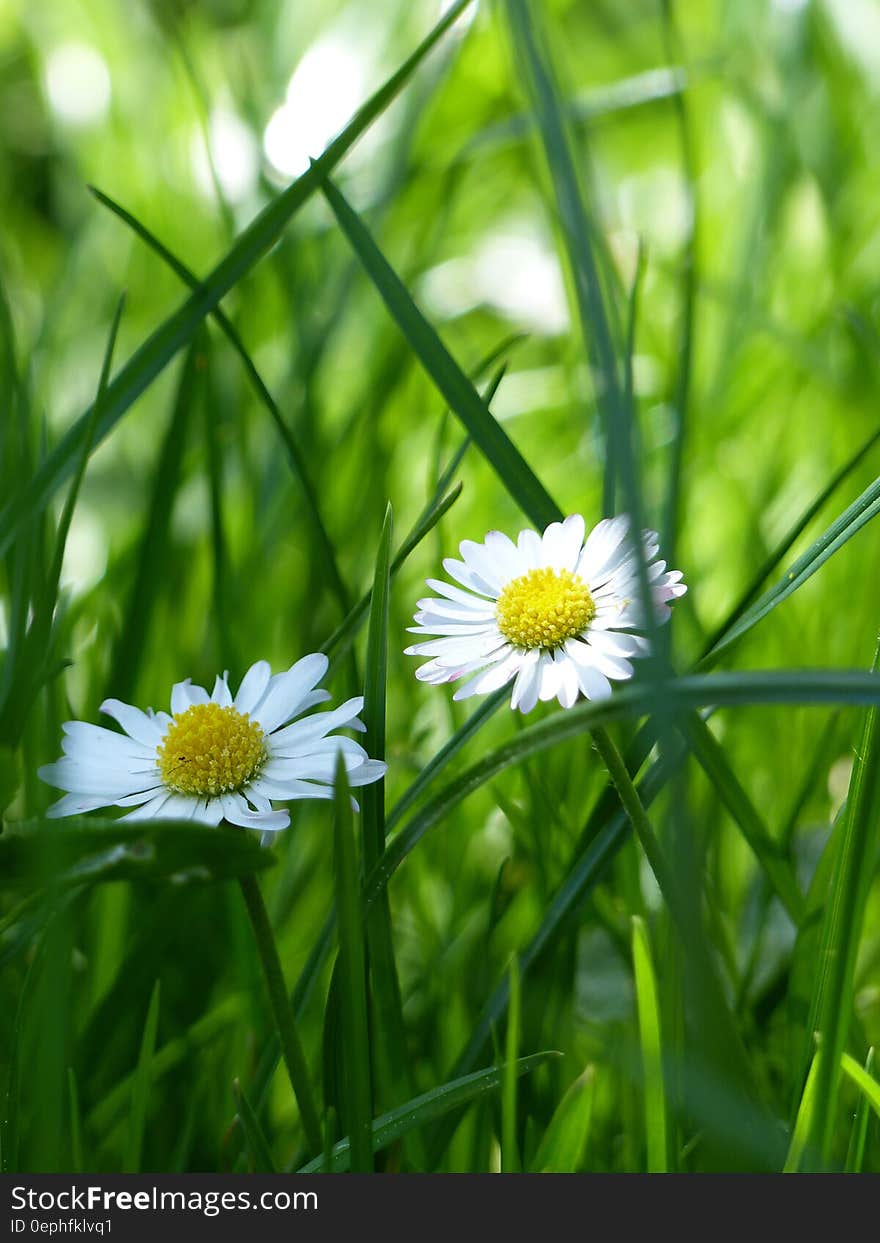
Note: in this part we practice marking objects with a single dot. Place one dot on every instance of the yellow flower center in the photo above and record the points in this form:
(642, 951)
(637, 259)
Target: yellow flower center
(210, 750)
(544, 608)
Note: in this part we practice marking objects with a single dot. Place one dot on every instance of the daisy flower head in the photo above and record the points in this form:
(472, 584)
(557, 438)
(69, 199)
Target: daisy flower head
(215, 757)
(557, 614)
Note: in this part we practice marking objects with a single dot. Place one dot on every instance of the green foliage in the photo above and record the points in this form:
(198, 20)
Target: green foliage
(558, 258)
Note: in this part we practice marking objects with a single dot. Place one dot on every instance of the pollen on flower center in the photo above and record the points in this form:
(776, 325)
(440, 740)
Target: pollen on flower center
(210, 750)
(544, 608)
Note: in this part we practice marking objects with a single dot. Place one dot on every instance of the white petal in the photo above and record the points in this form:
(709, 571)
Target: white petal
(80, 733)
(602, 547)
(302, 733)
(221, 694)
(236, 811)
(253, 686)
(528, 683)
(562, 543)
(455, 593)
(505, 556)
(530, 549)
(468, 577)
(286, 691)
(147, 811)
(75, 805)
(136, 724)
(497, 675)
(184, 695)
(480, 559)
(550, 680)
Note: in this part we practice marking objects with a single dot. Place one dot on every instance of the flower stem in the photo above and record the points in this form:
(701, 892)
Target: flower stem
(291, 1045)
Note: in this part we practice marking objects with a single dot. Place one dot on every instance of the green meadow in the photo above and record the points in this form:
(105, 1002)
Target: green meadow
(294, 298)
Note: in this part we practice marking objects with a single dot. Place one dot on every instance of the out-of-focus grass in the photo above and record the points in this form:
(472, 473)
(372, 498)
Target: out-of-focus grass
(235, 511)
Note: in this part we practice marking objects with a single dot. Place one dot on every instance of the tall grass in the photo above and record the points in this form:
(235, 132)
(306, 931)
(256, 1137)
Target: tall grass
(562, 258)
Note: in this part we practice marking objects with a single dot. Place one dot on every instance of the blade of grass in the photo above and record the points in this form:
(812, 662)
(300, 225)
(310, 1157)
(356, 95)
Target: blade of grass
(577, 228)
(719, 690)
(783, 547)
(715, 764)
(389, 1044)
(721, 1042)
(855, 1153)
(37, 655)
(437, 506)
(261, 1156)
(295, 456)
(804, 1120)
(689, 286)
(603, 836)
(832, 1003)
(651, 1048)
(510, 1160)
(76, 1157)
(256, 240)
(285, 1023)
(458, 391)
(849, 523)
(153, 547)
(418, 1112)
(354, 1022)
(562, 1146)
(140, 1090)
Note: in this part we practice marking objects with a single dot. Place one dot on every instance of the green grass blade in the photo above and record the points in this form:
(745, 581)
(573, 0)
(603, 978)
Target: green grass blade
(855, 1153)
(153, 548)
(562, 1146)
(459, 392)
(849, 523)
(718, 690)
(295, 456)
(648, 1006)
(715, 764)
(140, 1091)
(804, 1120)
(439, 504)
(76, 1152)
(577, 229)
(689, 288)
(510, 1159)
(286, 1027)
(428, 1107)
(256, 240)
(258, 1147)
(91, 850)
(864, 1081)
(375, 679)
(832, 1004)
(604, 837)
(192, 1043)
(774, 559)
(51, 594)
(389, 1045)
(354, 1022)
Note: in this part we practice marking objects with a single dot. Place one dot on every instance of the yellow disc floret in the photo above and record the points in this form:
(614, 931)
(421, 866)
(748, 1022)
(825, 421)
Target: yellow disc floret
(210, 750)
(544, 608)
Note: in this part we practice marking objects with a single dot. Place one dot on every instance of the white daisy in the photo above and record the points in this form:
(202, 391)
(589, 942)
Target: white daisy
(214, 757)
(554, 614)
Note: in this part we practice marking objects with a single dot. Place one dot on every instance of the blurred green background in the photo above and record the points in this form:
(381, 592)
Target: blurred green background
(735, 143)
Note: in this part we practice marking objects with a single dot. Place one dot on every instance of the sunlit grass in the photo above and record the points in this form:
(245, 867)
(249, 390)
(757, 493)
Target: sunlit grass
(563, 259)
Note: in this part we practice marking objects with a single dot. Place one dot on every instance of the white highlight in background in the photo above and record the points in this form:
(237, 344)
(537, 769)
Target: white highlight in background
(77, 84)
(514, 273)
(325, 90)
(234, 152)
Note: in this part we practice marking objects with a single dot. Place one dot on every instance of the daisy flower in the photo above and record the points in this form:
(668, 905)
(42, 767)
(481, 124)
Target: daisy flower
(555, 614)
(215, 757)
